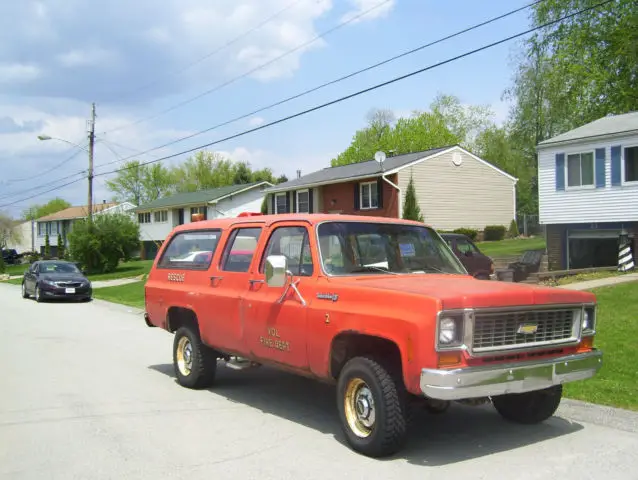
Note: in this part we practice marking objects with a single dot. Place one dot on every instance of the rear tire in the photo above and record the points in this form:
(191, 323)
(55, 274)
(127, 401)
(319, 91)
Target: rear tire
(195, 364)
(531, 407)
(372, 408)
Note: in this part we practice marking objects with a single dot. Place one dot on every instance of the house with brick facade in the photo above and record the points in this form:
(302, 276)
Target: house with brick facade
(454, 188)
(588, 192)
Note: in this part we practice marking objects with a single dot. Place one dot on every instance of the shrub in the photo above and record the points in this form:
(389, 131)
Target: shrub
(411, 209)
(47, 246)
(2, 266)
(32, 256)
(60, 246)
(513, 230)
(100, 245)
(264, 205)
(468, 232)
(494, 232)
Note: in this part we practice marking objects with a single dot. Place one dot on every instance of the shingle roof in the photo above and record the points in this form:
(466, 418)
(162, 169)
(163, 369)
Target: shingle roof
(609, 125)
(199, 197)
(76, 212)
(369, 168)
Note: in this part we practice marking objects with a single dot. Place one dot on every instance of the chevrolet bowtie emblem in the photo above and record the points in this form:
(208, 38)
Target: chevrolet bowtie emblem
(527, 328)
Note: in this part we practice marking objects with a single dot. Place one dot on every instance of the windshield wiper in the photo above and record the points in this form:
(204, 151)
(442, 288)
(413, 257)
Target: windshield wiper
(368, 268)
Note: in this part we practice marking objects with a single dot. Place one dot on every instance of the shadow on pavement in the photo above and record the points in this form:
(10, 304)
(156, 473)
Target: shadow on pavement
(463, 433)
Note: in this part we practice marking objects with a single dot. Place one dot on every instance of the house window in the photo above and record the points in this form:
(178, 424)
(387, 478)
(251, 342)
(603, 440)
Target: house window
(42, 228)
(161, 216)
(369, 195)
(631, 164)
(580, 169)
(144, 217)
(303, 201)
(280, 203)
(54, 228)
(202, 210)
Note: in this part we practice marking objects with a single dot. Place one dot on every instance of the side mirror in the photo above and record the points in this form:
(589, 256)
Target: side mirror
(469, 253)
(84, 272)
(276, 270)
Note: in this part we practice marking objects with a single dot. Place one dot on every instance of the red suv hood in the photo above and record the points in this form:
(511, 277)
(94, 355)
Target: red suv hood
(461, 291)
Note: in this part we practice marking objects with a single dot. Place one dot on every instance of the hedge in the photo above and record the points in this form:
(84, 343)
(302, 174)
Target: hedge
(494, 232)
(468, 232)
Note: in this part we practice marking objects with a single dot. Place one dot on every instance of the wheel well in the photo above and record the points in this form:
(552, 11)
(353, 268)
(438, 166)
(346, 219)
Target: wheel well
(181, 317)
(348, 345)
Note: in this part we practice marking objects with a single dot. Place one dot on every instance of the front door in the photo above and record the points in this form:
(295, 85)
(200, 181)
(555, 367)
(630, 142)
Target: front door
(275, 318)
(180, 216)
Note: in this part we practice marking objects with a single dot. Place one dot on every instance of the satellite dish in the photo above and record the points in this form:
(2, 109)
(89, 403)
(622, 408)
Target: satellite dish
(379, 157)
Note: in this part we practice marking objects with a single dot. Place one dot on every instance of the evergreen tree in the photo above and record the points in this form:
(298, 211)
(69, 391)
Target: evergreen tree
(60, 246)
(47, 247)
(411, 209)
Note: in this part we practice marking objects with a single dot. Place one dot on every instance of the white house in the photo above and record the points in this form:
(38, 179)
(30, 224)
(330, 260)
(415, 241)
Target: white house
(588, 192)
(159, 217)
(60, 223)
(25, 236)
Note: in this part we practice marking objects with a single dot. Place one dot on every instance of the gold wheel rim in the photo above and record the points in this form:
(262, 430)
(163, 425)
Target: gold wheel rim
(359, 408)
(184, 356)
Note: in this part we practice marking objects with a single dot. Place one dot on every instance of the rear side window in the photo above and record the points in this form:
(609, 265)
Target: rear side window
(240, 249)
(190, 250)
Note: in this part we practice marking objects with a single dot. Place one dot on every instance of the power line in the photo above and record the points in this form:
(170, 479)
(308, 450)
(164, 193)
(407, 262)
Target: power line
(41, 193)
(369, 89)
(218, 49)
(253, 70)
(332, 82)
(335, 81)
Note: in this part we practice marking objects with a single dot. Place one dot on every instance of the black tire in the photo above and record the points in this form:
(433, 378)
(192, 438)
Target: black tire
(203, 360)
(388, 432)
(531, 407)
(25, 294)
(38, 294)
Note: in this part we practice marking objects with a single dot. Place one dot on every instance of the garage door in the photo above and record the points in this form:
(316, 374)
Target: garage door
(592, 248)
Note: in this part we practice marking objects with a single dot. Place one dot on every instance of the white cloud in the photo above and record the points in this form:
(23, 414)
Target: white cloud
(18, 73)
(255, 121)
(94, 56)
(377, 9)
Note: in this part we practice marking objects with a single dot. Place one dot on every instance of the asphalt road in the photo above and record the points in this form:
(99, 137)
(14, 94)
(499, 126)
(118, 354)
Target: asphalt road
(88, 393)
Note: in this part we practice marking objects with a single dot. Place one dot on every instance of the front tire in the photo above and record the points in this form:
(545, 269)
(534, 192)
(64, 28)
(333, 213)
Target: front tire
(25, 294)
(531, 407)
(371, 407)
(38, 294)
(195, 364)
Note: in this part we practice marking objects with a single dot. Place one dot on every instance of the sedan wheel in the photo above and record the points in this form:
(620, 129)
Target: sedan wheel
(38, 296)
(24, 290)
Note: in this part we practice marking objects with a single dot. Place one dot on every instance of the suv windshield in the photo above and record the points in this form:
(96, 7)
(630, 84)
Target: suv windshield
(367, 247)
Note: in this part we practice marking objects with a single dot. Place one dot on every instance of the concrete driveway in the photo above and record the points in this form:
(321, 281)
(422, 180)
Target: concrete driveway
(88, 393)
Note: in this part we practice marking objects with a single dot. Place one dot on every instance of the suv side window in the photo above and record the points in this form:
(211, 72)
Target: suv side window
(240, 249)
(294, 244)
(466, 246)
(191, 250)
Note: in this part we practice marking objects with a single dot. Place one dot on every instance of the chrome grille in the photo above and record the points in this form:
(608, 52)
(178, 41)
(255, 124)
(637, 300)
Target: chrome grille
(69, 284)
(505, 330)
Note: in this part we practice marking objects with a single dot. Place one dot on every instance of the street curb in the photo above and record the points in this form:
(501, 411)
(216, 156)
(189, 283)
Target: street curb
(601, 415)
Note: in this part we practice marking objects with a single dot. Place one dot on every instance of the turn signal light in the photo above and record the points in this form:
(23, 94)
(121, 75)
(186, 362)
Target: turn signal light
(586, 344)
(448, 359)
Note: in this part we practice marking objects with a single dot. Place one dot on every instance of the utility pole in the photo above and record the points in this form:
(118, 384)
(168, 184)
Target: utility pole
(91, 144)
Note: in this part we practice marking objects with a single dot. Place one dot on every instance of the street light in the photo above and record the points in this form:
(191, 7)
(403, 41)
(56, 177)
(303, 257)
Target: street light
(49, 137)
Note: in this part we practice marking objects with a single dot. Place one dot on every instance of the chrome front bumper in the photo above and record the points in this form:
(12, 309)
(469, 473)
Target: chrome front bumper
(474, 382)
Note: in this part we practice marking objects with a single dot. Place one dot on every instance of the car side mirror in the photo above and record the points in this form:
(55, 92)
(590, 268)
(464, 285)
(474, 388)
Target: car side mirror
(276, 270)
(469, 253)
(84, 272)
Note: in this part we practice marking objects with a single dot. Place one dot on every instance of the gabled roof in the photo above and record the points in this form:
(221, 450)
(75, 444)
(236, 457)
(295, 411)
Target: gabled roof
(73, 213)
(368, 169)
(610, 125)
(200, 197)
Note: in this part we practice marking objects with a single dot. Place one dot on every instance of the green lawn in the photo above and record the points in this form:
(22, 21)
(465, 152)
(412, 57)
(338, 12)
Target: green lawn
(616, 384)
(511, 247)
(125, 270)
(131, 294)
(16, 269)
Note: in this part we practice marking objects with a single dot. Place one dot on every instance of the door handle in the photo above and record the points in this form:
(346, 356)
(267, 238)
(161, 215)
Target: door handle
(215, 277)
(253, 282)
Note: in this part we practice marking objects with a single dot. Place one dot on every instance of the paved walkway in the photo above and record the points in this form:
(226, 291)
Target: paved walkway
(601, 282)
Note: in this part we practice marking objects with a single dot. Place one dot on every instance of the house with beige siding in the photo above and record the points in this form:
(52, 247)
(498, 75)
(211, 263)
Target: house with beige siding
(588, 192)
(454, 189)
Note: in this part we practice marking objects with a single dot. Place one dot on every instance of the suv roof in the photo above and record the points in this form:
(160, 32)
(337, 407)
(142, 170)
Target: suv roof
(312, 218)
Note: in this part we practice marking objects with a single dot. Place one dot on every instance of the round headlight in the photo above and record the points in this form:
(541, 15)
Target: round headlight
(447, 330)
(586, 320)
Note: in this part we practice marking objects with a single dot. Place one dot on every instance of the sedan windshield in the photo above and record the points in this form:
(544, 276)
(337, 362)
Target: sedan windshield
(366, 247)
(58, 268)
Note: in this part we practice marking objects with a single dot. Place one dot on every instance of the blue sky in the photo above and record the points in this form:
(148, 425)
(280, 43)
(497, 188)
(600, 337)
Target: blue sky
(57, 56)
